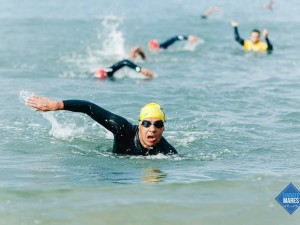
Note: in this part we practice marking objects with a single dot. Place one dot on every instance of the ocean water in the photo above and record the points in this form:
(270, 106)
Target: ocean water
(234, 117)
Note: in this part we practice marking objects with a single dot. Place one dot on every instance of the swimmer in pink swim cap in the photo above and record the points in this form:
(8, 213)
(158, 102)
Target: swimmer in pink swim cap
(109, 71)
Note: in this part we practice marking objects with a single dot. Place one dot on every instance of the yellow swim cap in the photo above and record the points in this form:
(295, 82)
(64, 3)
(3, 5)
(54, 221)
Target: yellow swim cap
(152, 110)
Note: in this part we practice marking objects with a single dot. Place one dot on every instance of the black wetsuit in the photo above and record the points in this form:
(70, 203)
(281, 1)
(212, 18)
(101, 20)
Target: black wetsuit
(242, 41)
(171, 40)
(125, 62)
(126, 138)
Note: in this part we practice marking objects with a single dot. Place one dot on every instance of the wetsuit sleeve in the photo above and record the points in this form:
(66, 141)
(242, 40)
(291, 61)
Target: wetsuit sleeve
(110, 121)
(115, 67)
(168, 148)
(237, 36)
(270, 46)
(171, 41)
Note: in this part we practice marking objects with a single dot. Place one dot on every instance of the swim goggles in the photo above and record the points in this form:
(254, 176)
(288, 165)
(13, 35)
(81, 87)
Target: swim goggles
(158, 124)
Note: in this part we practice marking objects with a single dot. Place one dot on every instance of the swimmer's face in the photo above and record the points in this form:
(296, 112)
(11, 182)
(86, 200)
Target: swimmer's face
(150, 136)
(254, 37)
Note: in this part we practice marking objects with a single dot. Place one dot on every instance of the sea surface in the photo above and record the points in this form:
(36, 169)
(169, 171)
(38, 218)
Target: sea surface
(234, 117)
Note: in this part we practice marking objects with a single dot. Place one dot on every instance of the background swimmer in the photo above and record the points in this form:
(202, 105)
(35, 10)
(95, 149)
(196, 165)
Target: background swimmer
(154, 45)
(254, 44)
(109, 71)
(209, 11)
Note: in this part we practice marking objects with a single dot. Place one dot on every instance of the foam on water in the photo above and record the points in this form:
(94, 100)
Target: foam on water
(113, 39)
(63, 131)
(24, 95)
(108, 49)
(188, 46)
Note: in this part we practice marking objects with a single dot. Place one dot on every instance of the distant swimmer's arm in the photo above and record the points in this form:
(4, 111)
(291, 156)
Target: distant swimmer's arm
(265, 35)
(137, 68)
(171, 41)
(236, 33)
(114, 68)
(137, 51)
(107, 119)
(146, 73)
(210, 11)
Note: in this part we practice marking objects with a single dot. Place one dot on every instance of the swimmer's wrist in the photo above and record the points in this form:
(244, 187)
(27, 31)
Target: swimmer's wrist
(59, 105)
(138, 69)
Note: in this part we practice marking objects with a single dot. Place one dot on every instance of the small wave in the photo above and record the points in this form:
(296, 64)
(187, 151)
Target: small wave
(178, 157)
(25, 66)
(187, 138)
(209, 156)
(292, 117)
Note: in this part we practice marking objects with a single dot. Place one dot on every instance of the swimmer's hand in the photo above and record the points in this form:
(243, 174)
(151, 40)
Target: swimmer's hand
(265, 33)
(42, 104)
(192, 38)
(234, 23)
(147, 73)
(137, 51)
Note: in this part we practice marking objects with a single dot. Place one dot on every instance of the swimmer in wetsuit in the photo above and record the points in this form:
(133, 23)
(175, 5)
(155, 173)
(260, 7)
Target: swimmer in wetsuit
(254, 44)
(132, 54)
(109, 71)
(154, 45)
(143, 139)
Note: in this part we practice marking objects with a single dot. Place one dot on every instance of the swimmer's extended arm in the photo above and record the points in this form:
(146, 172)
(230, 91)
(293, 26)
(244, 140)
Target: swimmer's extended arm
(171, 40)
(107, 119)
(114, 68)
(270, 46)
(237, 36)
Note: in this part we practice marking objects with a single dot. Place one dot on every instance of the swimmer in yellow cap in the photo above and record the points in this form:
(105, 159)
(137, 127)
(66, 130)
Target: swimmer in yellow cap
(142, 139)
(254, 44)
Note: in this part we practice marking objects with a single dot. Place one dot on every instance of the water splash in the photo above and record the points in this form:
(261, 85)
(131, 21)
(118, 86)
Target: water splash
(202, 156)
(108, 49)
(113, 42)
(63, 131)
(188, 46)
(24, 95)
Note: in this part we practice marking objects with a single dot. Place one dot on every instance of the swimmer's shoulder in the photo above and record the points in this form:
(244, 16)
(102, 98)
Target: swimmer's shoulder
(166, 147)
